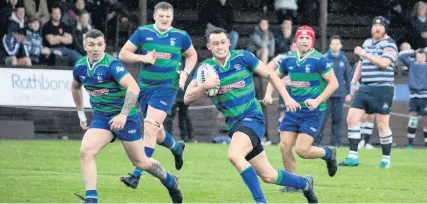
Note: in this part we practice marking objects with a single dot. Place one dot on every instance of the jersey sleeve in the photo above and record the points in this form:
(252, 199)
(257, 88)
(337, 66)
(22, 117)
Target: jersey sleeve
(251, 60)
(137, 37)
(118, 70)
(281, 65)
(76, 74)
(390, 51)
(323, 66)
(186, 42)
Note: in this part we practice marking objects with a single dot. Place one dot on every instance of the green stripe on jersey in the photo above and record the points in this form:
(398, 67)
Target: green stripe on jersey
(158, 76)
(161, 48)
(305, 76)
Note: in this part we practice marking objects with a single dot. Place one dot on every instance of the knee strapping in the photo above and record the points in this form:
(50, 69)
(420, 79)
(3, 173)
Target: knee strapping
(386, 137)
(368, 128)
(413, 122)
(153, 122)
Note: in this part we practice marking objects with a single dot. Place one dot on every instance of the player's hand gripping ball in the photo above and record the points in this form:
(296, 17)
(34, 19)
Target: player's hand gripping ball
(207, 76)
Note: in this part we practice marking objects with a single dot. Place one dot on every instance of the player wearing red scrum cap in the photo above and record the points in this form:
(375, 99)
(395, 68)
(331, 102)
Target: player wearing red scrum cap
(313, 81)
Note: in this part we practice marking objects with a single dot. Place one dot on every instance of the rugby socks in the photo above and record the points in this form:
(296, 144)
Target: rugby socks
(328, 153)
(251, 180)
(169, 181)
(368, 131)
(170, 143)
(412, 129)
(425, 137)
(149, 152)
(354, 137)
(91, 196)
(285, 178)
(386, 140)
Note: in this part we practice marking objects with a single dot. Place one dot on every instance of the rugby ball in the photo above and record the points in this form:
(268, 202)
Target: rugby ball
(204, 71)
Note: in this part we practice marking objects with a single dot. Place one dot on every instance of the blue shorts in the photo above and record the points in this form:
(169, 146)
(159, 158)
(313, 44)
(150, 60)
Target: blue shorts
(255, 124)
(303, 121)
(418, 105)
(374, 99)
(158, 98)
(131, 131)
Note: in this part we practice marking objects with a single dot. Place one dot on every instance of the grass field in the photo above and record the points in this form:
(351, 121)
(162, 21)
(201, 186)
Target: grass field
(49, 171)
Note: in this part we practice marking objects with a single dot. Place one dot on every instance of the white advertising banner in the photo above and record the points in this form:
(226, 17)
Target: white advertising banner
(37, 87)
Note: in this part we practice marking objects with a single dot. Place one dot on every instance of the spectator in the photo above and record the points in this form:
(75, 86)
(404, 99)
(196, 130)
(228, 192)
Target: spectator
(57, 36)
(219, 13)
(14, 51)
(80, 30)
(37, 10)
(285, 9)
(335, 104)
(261, 42)
(34, 41)
(65, 6)
(17, 18)
(418, 27)
(283, 38)
(399, 67)
(5, 13)
(77, 10)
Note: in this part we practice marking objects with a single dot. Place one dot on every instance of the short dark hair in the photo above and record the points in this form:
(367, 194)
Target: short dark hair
(94, 33)
(163, 6)
(334, 37)
(215, 30)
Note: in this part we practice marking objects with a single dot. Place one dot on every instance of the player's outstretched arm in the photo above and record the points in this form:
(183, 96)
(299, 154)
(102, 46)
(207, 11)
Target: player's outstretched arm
(190, 62)
(272, 66)
(131, 94)
(274, 79)
(127, 54)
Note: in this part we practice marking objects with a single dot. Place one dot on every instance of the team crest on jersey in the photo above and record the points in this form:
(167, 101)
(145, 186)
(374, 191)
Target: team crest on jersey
(307, 68)
(82, 78)
(99, 78)
(237, 66)
(341, 64)
(172, 41)
(236, 85)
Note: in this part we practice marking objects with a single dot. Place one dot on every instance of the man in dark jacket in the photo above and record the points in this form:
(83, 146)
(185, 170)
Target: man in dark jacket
(335, 103)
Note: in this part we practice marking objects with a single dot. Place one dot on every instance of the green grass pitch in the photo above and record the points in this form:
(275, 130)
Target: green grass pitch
(49, 171)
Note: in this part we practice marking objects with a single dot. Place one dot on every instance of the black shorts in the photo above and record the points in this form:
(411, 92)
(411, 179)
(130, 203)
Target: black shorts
(418, 105)
(374, 99)
(255, 140)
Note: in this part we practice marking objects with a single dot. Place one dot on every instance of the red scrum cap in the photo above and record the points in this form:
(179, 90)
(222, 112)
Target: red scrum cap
(306, 30)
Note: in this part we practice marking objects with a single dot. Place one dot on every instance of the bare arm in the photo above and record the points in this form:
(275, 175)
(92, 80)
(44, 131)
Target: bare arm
(263, 71)
(357, 73)
(76, 90)
(131, 94)
(66, 39)
(53, 39)
(272, 66)
(331, 87)
(193, 92)
(190, 59)
(127, 54)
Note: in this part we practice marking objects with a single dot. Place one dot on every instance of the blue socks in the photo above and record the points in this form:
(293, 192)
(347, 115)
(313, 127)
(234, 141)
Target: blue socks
(170, 143)
(328, 153)
(92, 196)
(169, 181)
(149, 152)
(251, 180)
(287, 179)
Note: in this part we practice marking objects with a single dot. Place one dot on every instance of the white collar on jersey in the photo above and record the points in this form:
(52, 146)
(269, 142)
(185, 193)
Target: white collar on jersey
(155, 28)
(93, 65)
